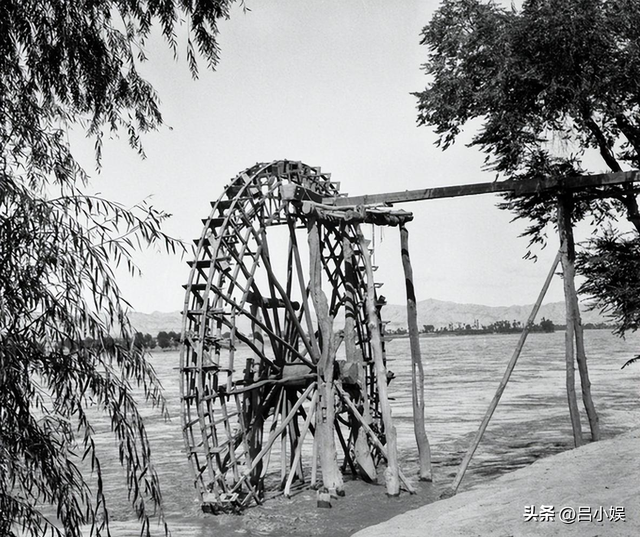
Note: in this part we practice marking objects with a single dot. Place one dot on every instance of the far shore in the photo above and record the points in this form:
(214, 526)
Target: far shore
(440, 333)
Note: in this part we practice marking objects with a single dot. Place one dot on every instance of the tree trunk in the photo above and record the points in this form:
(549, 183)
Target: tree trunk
(627, 196)
(631, 204)
(392, 473)
(325, 413)
(568, 269)
(417, 369)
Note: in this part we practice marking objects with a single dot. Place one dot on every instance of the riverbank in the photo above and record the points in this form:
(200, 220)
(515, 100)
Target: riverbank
(603, 474)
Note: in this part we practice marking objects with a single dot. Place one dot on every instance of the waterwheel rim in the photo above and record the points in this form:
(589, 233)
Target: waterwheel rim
(249, 351)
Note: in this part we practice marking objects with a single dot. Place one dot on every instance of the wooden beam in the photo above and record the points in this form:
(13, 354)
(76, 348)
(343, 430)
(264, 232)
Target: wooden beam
(577, 182)
(528, 186)
(423, 194)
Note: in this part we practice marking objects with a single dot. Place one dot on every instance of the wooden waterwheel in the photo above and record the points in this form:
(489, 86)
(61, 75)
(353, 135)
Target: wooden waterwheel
(252, 354)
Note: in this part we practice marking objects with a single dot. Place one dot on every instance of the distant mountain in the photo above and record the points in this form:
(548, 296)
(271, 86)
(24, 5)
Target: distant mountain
(152, 323)
(436, 312)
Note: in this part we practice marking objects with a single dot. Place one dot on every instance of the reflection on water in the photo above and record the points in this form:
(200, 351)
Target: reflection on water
(462, 374)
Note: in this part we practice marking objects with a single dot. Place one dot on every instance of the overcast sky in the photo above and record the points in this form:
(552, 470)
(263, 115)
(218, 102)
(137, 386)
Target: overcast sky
(328, 83)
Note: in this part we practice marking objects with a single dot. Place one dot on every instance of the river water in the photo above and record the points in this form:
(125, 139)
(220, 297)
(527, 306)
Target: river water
(461, 376)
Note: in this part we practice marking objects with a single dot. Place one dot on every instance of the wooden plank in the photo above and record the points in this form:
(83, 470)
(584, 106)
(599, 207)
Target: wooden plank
(529, 186)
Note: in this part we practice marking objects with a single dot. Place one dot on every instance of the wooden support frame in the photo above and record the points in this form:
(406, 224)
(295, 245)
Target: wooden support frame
(227, 285)
(362, 454)
(574, 327)
(325, 414)
(372, 435)
(230, 419)
(568, 270)
(417, 369)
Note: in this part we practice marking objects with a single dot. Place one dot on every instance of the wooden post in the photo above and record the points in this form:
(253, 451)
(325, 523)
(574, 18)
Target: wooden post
(252, 404)
(392, 473)
(325, 413)
(351, 350)
(581, 357)
(505, 378)
(568, 275)
(362, 452)
(417, 369)
(585, 383)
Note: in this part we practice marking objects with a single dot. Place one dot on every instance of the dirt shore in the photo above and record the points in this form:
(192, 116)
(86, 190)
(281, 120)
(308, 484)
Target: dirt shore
(603, 475)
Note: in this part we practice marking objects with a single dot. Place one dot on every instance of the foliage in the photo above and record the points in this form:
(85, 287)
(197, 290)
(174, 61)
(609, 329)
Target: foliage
(57, 288)
(149, 341)
(549, 81)
(174, 338)
(552, 82)
(546, 325)
(138, 340)
(66, 64)
(611, 267)
(504, 326)
(163, 339)
(143, 341)
(166, 340)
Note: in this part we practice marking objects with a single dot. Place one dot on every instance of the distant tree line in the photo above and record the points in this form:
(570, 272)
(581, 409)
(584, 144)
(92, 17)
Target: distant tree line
(498, 327)
(164, 340)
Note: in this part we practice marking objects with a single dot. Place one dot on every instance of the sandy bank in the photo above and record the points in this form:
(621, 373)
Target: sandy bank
(603, 474)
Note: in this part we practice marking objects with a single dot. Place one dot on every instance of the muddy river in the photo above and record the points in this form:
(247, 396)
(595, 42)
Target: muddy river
(462, 374)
